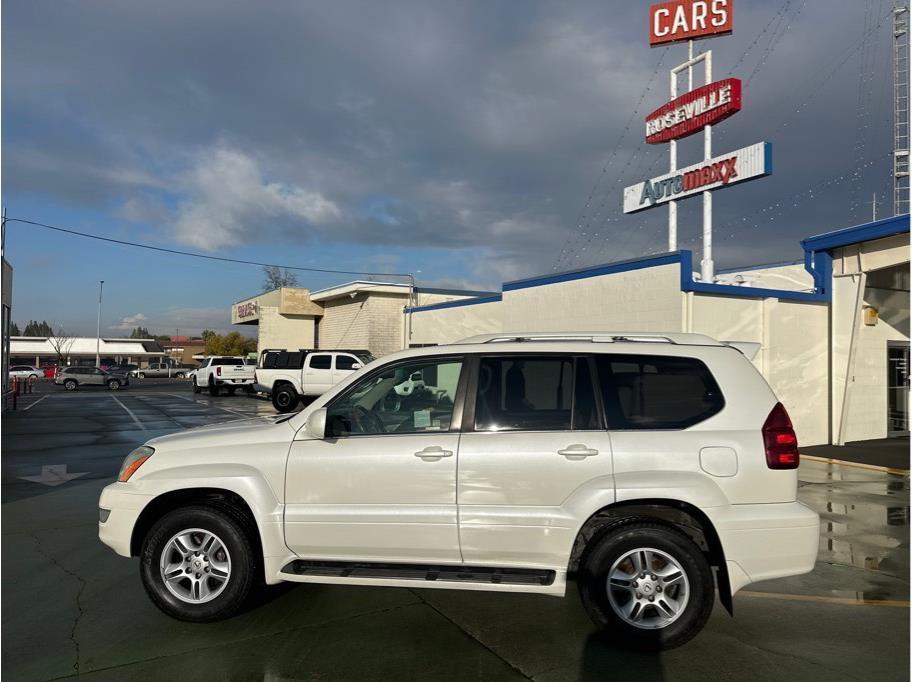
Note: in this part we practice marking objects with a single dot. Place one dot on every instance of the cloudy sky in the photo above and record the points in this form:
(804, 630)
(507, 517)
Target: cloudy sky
(468, 142)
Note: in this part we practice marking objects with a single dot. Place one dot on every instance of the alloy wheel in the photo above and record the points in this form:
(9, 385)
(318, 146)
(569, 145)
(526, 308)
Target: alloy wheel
(195, 566)
(648, 588)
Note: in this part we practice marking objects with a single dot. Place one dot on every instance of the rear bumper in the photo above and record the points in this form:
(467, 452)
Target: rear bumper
(124, 509)
(233, 382)
(766, 541)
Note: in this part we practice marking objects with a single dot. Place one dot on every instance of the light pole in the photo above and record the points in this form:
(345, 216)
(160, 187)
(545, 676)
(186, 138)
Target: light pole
(98, 336)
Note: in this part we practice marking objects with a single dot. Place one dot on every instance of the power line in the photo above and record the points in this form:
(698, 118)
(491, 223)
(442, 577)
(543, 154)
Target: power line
(192, 254)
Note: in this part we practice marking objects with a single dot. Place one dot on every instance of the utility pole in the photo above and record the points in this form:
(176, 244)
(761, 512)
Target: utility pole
(874, 207)
(98, 336)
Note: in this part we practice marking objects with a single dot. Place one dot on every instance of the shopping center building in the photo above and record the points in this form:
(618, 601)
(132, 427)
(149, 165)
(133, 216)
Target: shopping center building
(833, 326)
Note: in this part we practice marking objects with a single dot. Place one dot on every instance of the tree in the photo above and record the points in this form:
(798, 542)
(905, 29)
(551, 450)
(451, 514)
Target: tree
(207, 334)
(140, 333)
(34, 328)
(230, 344)
(275, 277)
(61, 341)
(14, 329)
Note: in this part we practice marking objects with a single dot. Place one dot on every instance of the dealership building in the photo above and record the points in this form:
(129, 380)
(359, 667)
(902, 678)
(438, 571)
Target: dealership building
(833, 326)
(360, 315)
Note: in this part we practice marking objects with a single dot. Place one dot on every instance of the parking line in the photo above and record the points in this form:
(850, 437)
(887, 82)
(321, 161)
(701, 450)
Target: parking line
(857, 465)
(31, 405)
(850, 601)
(130, 412)
(218, 407)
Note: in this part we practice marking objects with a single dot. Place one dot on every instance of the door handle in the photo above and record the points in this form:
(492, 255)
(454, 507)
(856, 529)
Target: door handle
(577, 451)
(433, 452)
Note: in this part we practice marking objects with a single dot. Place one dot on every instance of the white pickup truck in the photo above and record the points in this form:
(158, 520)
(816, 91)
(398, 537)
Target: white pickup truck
(230, 373)
(287, 376)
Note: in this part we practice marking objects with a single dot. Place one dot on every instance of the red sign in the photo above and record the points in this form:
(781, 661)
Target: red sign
(687, 114)
(671, 22)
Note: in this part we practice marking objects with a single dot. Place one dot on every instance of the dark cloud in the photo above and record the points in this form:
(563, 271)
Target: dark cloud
(479, 127)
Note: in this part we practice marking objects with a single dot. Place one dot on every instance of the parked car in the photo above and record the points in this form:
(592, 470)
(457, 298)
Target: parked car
(652, 469)
(288, 376)
(216, 373)
(50, 371)
(25, 372)
(72, 378)
(126, 368)
(157, 370)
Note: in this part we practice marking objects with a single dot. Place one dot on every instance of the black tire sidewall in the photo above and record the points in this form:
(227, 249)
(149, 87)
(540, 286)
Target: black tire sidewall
(611, 544)
(70, 385)
(213, 388)
(292, 398)
(244, 564)
(113, 385)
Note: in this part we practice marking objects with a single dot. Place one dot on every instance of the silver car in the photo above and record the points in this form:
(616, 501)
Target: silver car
(73, 377)
(160, 369)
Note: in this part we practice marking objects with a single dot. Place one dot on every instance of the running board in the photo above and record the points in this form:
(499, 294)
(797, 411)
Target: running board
(424, 572)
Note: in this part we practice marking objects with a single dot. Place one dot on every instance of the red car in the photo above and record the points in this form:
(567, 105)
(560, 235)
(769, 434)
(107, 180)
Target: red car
(50, 371)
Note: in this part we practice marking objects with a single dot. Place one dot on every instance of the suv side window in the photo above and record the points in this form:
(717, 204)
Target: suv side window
(320, 361)
(416, 397)
(534, 393)
(657, 392)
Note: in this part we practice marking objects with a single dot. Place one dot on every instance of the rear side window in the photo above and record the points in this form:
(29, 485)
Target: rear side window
(534, 393)
(656, 392)
(228, 361)
(320, 361)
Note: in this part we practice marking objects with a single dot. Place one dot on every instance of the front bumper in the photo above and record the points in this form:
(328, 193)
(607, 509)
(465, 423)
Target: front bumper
(766, 541)
(123, 509)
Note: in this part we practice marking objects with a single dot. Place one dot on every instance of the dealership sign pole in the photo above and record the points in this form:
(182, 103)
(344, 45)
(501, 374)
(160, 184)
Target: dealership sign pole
(696, 110)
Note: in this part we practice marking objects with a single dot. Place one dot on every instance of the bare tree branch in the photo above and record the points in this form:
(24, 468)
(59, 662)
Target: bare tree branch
(61, 341)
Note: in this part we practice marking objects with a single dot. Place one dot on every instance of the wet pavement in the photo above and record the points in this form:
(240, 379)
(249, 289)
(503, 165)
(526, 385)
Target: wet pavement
(71, 606)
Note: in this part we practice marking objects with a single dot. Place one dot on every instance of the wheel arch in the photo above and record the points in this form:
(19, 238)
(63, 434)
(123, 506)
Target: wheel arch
(677, 514)
(217, 498)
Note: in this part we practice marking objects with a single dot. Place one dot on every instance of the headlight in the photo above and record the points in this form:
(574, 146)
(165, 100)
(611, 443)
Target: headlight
(133, 461)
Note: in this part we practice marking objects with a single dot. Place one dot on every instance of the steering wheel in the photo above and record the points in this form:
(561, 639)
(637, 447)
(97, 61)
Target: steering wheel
(365, 421)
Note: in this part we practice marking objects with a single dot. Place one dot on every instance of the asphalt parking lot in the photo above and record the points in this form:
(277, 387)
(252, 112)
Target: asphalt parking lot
(71, 606)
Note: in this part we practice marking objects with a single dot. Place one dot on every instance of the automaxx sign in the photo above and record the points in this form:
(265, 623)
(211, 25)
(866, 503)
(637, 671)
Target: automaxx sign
(720, 171)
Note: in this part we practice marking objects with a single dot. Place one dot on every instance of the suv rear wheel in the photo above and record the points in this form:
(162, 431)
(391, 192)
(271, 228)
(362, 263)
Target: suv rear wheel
(114, 385)
(284, 398)
(647, 583)
(198, 564)
(70, 384)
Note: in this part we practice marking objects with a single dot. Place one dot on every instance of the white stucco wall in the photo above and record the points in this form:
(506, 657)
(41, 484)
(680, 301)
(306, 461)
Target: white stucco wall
(452, 324)
(637, 300)
(284, 331)
(791, 277)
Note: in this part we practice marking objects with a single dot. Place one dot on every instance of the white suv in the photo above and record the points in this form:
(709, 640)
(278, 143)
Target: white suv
(652, 469)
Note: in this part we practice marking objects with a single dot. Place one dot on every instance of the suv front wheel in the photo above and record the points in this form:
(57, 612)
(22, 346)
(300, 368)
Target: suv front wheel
(198, 564)
(647, 583)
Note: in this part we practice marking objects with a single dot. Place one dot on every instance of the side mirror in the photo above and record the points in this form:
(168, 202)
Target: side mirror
(357, 365)
(316, 423)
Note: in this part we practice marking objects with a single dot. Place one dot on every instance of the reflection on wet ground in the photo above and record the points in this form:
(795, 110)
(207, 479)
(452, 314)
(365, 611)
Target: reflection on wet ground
(864, 519)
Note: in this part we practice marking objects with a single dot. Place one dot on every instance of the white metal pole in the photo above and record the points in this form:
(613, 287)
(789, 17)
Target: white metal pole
(98, 335)
(707, 270)
(672, 167)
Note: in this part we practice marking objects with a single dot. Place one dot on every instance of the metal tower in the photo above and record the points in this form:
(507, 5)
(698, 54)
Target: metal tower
(900, 107)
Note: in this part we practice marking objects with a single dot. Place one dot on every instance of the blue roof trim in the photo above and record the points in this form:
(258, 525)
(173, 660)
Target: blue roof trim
(688, 284)
(595, 271)
(455, 304)
(859, 233)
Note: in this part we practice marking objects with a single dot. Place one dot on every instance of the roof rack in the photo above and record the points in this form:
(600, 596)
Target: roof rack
(595, 337)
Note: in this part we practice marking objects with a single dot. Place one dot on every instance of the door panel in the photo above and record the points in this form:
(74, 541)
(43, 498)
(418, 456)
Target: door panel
(318, 373)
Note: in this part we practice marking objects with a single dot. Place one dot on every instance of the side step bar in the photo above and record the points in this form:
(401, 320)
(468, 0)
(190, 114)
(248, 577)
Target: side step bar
(456, 574)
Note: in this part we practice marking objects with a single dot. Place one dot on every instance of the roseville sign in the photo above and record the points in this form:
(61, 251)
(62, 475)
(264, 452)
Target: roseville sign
(687, 114)
(721, 171)
(671, 22)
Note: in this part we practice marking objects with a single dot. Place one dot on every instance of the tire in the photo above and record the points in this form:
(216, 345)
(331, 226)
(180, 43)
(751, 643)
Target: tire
(232, 554)
(249, 390)
(666, 552)
(113, 385)
(141, 375)
(284, 398)
(33, 377)
(179, 375)
(196, 387)
(70, 384)
(213, 389)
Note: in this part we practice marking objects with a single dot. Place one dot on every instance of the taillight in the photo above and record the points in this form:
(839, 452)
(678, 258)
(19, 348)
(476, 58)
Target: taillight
(218, 370)
(780, 440)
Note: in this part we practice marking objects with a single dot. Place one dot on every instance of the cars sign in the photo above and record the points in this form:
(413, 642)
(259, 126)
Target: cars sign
(687, 114)
(672, 22)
